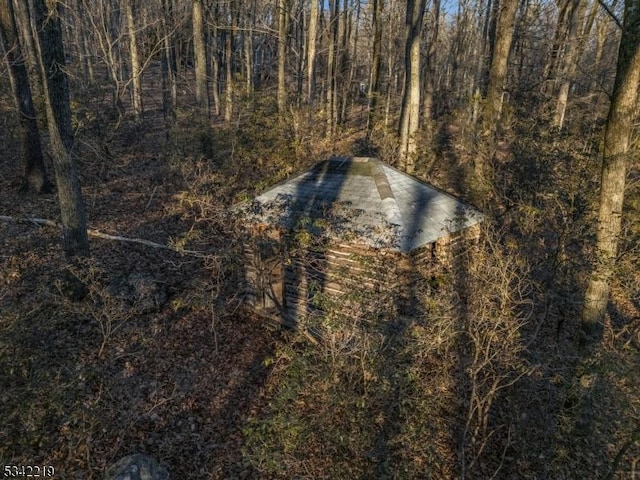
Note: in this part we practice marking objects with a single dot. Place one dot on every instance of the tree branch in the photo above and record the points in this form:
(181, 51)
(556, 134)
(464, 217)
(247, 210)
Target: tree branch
(611, 14)
(98, 234)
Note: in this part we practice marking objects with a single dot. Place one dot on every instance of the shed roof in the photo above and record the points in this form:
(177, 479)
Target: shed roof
(365, 201)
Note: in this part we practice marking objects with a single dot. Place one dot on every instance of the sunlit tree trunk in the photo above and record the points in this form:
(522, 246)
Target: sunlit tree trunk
(410, 113)
(35, 174)
(136, 72)
(374, 76)
(331, 86)
(574, 47)
(249, 25)
(431, 60)
(282, 55)
(500, 60)
(311, 51)
(616, 152)
(200, 58)
(215, 59)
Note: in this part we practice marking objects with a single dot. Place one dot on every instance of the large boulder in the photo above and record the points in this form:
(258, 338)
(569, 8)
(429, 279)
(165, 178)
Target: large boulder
(136, 467)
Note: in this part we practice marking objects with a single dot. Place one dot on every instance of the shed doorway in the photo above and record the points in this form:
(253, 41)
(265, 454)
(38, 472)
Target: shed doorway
(269, 275)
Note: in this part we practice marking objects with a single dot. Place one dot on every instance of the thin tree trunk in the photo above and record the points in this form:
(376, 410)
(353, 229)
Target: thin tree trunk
(249, 22)
(311, 51)
(562, 27)
(334, 7)
(282, 55)
(429, 91)
(200, 59)
(410, 113)
(215, 64)
(574, 47)
(374, 77)
(616, 152)
(229, 61)
(51, 53)
(35, 174)
(168, 64)
(136, 80)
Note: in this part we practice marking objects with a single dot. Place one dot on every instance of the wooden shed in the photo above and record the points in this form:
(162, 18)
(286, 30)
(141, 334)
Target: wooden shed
(350, 234)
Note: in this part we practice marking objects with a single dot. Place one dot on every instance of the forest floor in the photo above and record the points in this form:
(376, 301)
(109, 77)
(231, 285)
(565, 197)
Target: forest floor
(143, 359)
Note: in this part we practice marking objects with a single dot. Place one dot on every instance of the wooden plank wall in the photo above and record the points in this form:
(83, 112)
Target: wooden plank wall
(359, 281)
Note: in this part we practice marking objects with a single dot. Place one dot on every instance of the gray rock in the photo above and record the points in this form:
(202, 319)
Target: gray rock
(136, 467)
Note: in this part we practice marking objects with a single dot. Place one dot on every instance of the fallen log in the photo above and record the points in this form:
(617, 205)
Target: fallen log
(106, 236)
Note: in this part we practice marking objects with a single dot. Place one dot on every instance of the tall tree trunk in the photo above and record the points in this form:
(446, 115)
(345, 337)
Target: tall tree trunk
(22, 15)
(331, 88)
(229, 60)
(552, 65)
(136, 73)
(431, 60)
(483, 60)
(249, 25)
(200, 59)
(573, 51)
(168, 63)
(617, 149)
(410, 113)
(282, 55)
(374, 76)
(75, 241)
(311, 51)
(500, 60)
(215, 61)
(35, 174)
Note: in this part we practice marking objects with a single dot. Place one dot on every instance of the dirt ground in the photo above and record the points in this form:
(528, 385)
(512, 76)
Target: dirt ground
(87, 381)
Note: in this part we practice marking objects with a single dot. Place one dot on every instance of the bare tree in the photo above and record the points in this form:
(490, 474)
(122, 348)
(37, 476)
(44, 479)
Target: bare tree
(75, 241)
(374, 76)
(500, 59)
(35, 174)
(200, 58)
(616, 152)
(410, 114)
(283, 13)
(136, 71)
(574, 47)
(311, 50)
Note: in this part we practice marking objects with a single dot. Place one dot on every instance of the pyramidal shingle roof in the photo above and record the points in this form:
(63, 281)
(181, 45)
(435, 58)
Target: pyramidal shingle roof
(363, 200)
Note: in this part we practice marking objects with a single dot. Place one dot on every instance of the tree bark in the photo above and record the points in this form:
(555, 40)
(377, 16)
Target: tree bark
(229, 60)
(500, 60)
(573, 51)
(331, 100)
(617, 150)
(168, 63)
(22, 16)
(311, 51)
(374, 76)
(282, 55)
(35, 173)
(75, 241)
(136, 80)
(200, 59)
(410, 113)
(431, 60)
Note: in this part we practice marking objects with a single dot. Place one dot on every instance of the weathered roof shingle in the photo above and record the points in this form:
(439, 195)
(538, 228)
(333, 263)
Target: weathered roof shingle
(366, 200)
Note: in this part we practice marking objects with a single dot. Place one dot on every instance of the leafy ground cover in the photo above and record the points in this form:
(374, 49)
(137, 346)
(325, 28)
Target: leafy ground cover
(92, 371)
